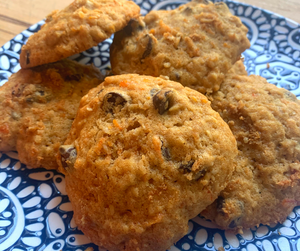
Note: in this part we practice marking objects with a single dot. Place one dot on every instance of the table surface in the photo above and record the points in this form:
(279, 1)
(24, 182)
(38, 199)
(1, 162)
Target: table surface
(18, 15)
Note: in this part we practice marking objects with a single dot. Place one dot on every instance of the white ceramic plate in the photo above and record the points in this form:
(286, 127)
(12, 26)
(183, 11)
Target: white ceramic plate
(35, 213)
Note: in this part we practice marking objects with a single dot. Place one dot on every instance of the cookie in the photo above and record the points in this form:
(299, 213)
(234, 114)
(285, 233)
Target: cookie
(38, 106)
(80, 26)
(265, 121)
(237, 69)
(195, 44)
(144, 155)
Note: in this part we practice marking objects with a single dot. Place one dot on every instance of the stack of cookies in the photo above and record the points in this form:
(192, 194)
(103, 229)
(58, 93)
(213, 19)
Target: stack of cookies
(179, 128)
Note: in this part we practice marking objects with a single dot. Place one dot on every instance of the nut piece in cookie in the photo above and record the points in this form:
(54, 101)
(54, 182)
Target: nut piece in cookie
(80, 26)
(38, 106)
(150, 155)
(265, 121)
(195, 44)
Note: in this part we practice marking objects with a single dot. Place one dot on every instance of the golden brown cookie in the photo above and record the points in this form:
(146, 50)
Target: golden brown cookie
(80, 26)
(237, 69)
(38, 106)
(144, 156)
(195, 44)
(265, 121)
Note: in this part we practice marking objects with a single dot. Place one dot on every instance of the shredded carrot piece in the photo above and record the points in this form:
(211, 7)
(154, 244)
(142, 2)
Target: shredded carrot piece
(123, 84)
(116, 124)
(152, 31)
(226, 45)
(194, 99)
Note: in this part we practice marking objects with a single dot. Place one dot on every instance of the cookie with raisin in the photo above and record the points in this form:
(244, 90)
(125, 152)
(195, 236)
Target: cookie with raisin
(38, 106)
(265, 121)
(80, 26)
(195, 44)
(144, 155)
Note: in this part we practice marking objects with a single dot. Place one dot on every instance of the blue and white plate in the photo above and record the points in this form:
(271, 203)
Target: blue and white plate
(35, 213)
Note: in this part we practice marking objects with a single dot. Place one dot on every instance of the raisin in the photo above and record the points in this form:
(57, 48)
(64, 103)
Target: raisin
(148, 49)
(133, 25)
(27, 57)
(239, 208)
(187, 168)
(188, 11)
(166, 153)
(113, 102)
(162, 101)
(220, 205)
(177, 76)
(37, 97)
(232, 224)
(68, 156)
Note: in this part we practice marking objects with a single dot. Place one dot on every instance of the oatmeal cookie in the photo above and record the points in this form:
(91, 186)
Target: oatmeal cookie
(38, 106)
(237, 69)
(265, 121)
(80, 26)
(144, 155)
(195, 44)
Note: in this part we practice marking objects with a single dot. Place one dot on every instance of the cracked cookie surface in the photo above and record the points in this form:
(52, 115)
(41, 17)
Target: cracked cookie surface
(144, 156)
(195, 44)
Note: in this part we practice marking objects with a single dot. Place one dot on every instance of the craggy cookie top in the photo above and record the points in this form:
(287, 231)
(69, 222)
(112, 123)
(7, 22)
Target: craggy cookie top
(38, 106)
(144, 155)
(80, 26)
(195, 44)
(265, 121)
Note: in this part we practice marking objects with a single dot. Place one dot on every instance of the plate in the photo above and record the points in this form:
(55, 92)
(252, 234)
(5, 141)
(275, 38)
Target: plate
(35, 213)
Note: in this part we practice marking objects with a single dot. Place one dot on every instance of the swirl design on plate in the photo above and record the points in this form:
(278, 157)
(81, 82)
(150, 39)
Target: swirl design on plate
(12, 220)
(35, 213)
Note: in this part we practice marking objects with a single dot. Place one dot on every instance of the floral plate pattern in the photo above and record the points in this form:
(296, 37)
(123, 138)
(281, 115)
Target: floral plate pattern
(35, 213)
